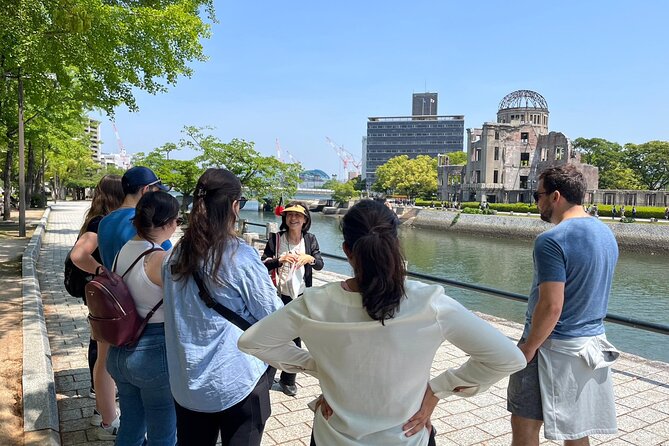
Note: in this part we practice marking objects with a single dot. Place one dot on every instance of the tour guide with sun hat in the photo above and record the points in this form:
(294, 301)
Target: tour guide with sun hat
(291, 255)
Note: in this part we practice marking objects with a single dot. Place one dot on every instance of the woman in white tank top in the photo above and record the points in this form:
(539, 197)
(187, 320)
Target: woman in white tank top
(140, 371)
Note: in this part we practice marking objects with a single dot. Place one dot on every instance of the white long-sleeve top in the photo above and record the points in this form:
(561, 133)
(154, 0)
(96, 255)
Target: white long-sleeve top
(374, 376)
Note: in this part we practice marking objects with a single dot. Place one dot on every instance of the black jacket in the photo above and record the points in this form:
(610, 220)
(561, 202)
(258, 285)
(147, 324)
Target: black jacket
(271, 259)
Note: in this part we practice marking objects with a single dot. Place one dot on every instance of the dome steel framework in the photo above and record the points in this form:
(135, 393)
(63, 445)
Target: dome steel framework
(523, 99)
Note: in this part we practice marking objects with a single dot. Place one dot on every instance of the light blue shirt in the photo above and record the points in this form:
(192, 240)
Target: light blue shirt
(581, 253)
(207, 371)
(114, 231)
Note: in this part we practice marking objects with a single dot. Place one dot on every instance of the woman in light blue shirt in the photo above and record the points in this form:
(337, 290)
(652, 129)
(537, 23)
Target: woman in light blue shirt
(216, 387)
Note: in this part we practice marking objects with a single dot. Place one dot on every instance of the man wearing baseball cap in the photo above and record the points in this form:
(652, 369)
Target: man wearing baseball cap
(117, 228)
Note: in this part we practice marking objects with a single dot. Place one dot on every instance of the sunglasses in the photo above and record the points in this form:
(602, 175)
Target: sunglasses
(537, 194)
(242, 202)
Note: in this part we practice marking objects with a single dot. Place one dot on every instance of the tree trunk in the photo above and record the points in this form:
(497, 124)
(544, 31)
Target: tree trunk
(7, 183)
(30, 175)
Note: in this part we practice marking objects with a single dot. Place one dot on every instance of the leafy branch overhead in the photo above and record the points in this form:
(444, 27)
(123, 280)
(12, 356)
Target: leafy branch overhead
(263, 177)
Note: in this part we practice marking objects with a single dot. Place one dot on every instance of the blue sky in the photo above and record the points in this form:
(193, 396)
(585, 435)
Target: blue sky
(300, 71)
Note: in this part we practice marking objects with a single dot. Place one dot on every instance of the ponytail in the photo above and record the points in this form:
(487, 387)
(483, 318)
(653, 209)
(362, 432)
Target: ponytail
(370, 232)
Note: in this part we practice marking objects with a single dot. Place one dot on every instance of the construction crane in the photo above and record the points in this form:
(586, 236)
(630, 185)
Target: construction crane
(292, 158)
(278, 150)
(345, 156)
(125, 160)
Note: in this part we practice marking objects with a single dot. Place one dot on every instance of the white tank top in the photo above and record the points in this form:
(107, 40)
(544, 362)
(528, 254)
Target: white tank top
(145, 293)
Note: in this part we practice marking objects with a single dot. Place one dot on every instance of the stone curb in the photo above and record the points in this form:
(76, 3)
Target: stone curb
(40, 410)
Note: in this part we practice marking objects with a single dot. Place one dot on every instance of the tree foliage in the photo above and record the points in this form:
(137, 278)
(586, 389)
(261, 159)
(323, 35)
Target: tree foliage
(608, 156)
(343, 192)
(263, 177)
(650, 162)
(411, 177)
(457, 158)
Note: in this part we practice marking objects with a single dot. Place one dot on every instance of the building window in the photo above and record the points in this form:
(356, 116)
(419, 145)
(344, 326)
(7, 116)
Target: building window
(544, 154)
(495, 176)
(650, 199)
(559, 153)
(496, 153)
(524, 137)
(477, 155)
(523, 182)
(524, 159)
(496, 136)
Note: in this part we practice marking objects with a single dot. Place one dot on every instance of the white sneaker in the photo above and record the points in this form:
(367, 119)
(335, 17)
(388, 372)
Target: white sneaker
(109, 432)
(96, 418)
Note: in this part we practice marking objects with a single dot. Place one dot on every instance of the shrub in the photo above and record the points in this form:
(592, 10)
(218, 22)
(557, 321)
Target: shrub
(38, 201)
(469, 210)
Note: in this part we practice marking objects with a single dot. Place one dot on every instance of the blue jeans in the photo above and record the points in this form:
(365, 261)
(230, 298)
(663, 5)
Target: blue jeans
(144, 395)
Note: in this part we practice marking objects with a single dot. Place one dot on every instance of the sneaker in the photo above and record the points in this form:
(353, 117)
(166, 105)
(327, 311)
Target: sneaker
(91, 393)
(287, 389)
(109, 432)
(96, 418)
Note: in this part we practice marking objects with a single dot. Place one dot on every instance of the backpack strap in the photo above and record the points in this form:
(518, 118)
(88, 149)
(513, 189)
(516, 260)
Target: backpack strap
(221, 309)
(148, 251)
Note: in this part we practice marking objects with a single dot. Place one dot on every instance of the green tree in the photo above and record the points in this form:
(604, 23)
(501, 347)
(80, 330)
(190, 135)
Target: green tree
(608, 156)
(181, 175)
(330, 184)
(650, 163)
(343, 192)
(457, 158)
(411, 177)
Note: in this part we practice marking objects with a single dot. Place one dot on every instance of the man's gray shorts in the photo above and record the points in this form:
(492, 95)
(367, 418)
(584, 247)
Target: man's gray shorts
(523, 395)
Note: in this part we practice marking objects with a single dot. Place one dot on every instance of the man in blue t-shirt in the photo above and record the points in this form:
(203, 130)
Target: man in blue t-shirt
(117, 228)
(564, 338)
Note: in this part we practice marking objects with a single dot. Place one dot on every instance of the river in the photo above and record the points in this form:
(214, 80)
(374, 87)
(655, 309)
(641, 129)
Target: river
(639, 286)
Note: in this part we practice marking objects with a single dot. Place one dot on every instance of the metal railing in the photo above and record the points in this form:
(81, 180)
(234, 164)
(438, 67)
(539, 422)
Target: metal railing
(613, 318)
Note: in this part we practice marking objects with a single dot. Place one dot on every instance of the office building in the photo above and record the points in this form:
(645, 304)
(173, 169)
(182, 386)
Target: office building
(418, 134)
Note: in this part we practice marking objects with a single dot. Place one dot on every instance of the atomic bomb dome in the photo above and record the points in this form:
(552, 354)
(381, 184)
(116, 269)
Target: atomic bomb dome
(524, 107)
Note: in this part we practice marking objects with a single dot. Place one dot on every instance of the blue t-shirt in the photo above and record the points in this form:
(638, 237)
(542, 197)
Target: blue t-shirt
(582, 253)
(114, 231)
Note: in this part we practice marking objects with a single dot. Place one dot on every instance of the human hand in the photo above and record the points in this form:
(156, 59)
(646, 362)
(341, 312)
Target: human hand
(421, 419)
(529, 352)
(288, 257)
(326, 410)
(303, 259)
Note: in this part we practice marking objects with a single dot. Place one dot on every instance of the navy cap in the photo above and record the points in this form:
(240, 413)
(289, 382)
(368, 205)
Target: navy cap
(141, 176)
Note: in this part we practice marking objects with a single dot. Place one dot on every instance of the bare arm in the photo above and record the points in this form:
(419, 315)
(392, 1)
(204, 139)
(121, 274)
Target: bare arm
(153, 267)
(546, 315)
(82, 253)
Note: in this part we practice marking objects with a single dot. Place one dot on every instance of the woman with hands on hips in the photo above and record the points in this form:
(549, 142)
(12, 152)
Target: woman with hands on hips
(291, 255)
(372, 339)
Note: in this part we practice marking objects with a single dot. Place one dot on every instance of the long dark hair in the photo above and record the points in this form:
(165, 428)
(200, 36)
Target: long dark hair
(107, 196)
(154, 210)
(370, 233)
(211, 225)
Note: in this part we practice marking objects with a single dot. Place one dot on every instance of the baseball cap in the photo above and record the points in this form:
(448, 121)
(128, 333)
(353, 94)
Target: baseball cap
(141, 176)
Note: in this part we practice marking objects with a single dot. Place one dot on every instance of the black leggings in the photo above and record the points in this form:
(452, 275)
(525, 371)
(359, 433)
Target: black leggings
(431, 442)
(239, 425)
(289, 378)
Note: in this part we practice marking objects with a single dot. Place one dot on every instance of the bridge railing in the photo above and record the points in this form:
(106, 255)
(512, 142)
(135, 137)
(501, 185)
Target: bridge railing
(613, 318)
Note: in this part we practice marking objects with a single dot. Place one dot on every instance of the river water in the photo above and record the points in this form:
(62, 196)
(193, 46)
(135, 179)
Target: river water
(639, 287)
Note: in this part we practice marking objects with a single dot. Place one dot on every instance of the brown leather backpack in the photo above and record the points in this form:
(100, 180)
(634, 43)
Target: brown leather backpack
(111, 308)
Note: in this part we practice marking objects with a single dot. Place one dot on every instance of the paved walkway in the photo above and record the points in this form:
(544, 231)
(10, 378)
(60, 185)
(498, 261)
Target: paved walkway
(641, 386)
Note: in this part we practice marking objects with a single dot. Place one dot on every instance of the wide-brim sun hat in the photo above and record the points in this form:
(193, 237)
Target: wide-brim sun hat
(295, 208)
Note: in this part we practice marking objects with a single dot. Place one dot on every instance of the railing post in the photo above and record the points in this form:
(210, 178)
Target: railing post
(270, 228)
(242, 226)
